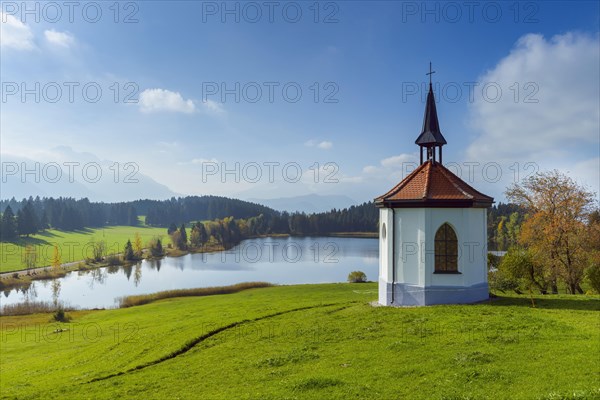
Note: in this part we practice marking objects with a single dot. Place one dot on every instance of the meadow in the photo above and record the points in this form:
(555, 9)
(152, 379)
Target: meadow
(73, 245)
(308, 342)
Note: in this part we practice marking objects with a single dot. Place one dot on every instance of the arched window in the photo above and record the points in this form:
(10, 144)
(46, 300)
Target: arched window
(446, 249)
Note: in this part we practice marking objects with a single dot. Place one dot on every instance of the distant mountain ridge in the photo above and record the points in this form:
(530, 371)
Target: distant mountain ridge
(310, 203)
(95, 179)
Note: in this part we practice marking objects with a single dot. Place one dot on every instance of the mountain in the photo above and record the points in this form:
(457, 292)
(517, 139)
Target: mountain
(311, 203)
(66, 173)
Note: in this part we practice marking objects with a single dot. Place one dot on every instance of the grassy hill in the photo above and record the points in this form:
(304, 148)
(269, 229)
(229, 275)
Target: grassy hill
(308, 342)
(74, 245)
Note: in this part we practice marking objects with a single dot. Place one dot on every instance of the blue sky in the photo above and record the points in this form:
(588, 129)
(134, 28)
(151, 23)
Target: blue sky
(368, 59)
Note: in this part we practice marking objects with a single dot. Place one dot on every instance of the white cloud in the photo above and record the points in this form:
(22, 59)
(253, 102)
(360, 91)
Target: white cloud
(567, 111)
(155, 100)
(561, 128)
(14, 33)
(371, 169)
(62, 39)
(196, 161)
(213, 107)
(399, 161)
(204, 160)
(170, 145)
(324, 145)
(352, 179)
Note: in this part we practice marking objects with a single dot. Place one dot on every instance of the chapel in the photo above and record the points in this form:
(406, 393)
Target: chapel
(433, 231)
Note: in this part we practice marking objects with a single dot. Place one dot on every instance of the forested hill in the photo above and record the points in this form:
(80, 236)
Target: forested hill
(29, 216)
(38, 213)
(195, 208)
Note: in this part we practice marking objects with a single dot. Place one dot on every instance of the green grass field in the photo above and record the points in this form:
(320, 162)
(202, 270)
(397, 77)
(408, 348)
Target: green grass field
(308, 342)
(73, 245)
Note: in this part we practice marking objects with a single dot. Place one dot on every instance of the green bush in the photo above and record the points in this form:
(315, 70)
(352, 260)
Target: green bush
(357, 277)
(61, 316)
(500, 281)
(112, 260)
(520, 266)
(156, 248)
(593, 275)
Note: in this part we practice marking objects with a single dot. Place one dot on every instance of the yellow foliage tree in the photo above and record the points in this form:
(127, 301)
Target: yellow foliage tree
(137, 245)
(556, 229)
(56, 259)
(30, 257)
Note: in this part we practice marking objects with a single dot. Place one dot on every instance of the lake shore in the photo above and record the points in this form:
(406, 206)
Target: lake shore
(23, 278)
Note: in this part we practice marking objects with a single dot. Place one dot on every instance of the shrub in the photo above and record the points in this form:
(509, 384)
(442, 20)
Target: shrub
(519, 265)
(113, 260)
(500, 281)
(33, 307)
(156, 248)
(593, 275)
(138, 300)
(493, 261)
(61, 316)
(357, 277)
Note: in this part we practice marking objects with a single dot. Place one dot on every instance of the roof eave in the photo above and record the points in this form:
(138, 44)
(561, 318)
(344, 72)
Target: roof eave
(430, 203)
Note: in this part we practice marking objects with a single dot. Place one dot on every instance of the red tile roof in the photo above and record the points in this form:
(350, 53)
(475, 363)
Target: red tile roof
(433, 185)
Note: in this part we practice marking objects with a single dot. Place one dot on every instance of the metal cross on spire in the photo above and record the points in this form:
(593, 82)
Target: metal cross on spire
(430, 72)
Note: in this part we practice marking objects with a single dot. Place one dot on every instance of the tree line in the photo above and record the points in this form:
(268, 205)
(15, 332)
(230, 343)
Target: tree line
(29, 216)
(26, 217)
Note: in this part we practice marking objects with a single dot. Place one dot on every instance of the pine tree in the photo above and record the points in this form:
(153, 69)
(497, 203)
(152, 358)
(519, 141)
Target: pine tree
(203, 233)
(27, 224)
(8, 225)
(156, 248)
(132, 217)
(128, 254)
(182, 238)
(44, 224)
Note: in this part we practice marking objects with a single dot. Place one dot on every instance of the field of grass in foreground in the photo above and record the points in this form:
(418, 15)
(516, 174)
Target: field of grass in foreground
(73, 245)
(308, 342)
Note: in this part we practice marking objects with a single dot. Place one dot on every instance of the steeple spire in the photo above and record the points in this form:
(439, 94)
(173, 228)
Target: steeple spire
(431, 135)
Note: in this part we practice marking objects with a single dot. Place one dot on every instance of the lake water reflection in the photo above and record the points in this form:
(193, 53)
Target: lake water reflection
(285, 260)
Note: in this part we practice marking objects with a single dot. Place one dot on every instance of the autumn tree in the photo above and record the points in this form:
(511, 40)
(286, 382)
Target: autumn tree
(56, 259)
(195, 240)
(556, 231)
(98, 250)
(178, 241)
(137, 245)
(30, 257)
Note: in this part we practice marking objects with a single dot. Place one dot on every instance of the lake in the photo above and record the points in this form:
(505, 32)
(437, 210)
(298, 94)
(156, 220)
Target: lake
(279, 260)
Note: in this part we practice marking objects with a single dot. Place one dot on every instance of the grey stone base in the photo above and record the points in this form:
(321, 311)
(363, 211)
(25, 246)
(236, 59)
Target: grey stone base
(410, 295)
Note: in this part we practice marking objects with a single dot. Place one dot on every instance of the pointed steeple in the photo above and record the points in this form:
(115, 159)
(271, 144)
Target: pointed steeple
(431, 135)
